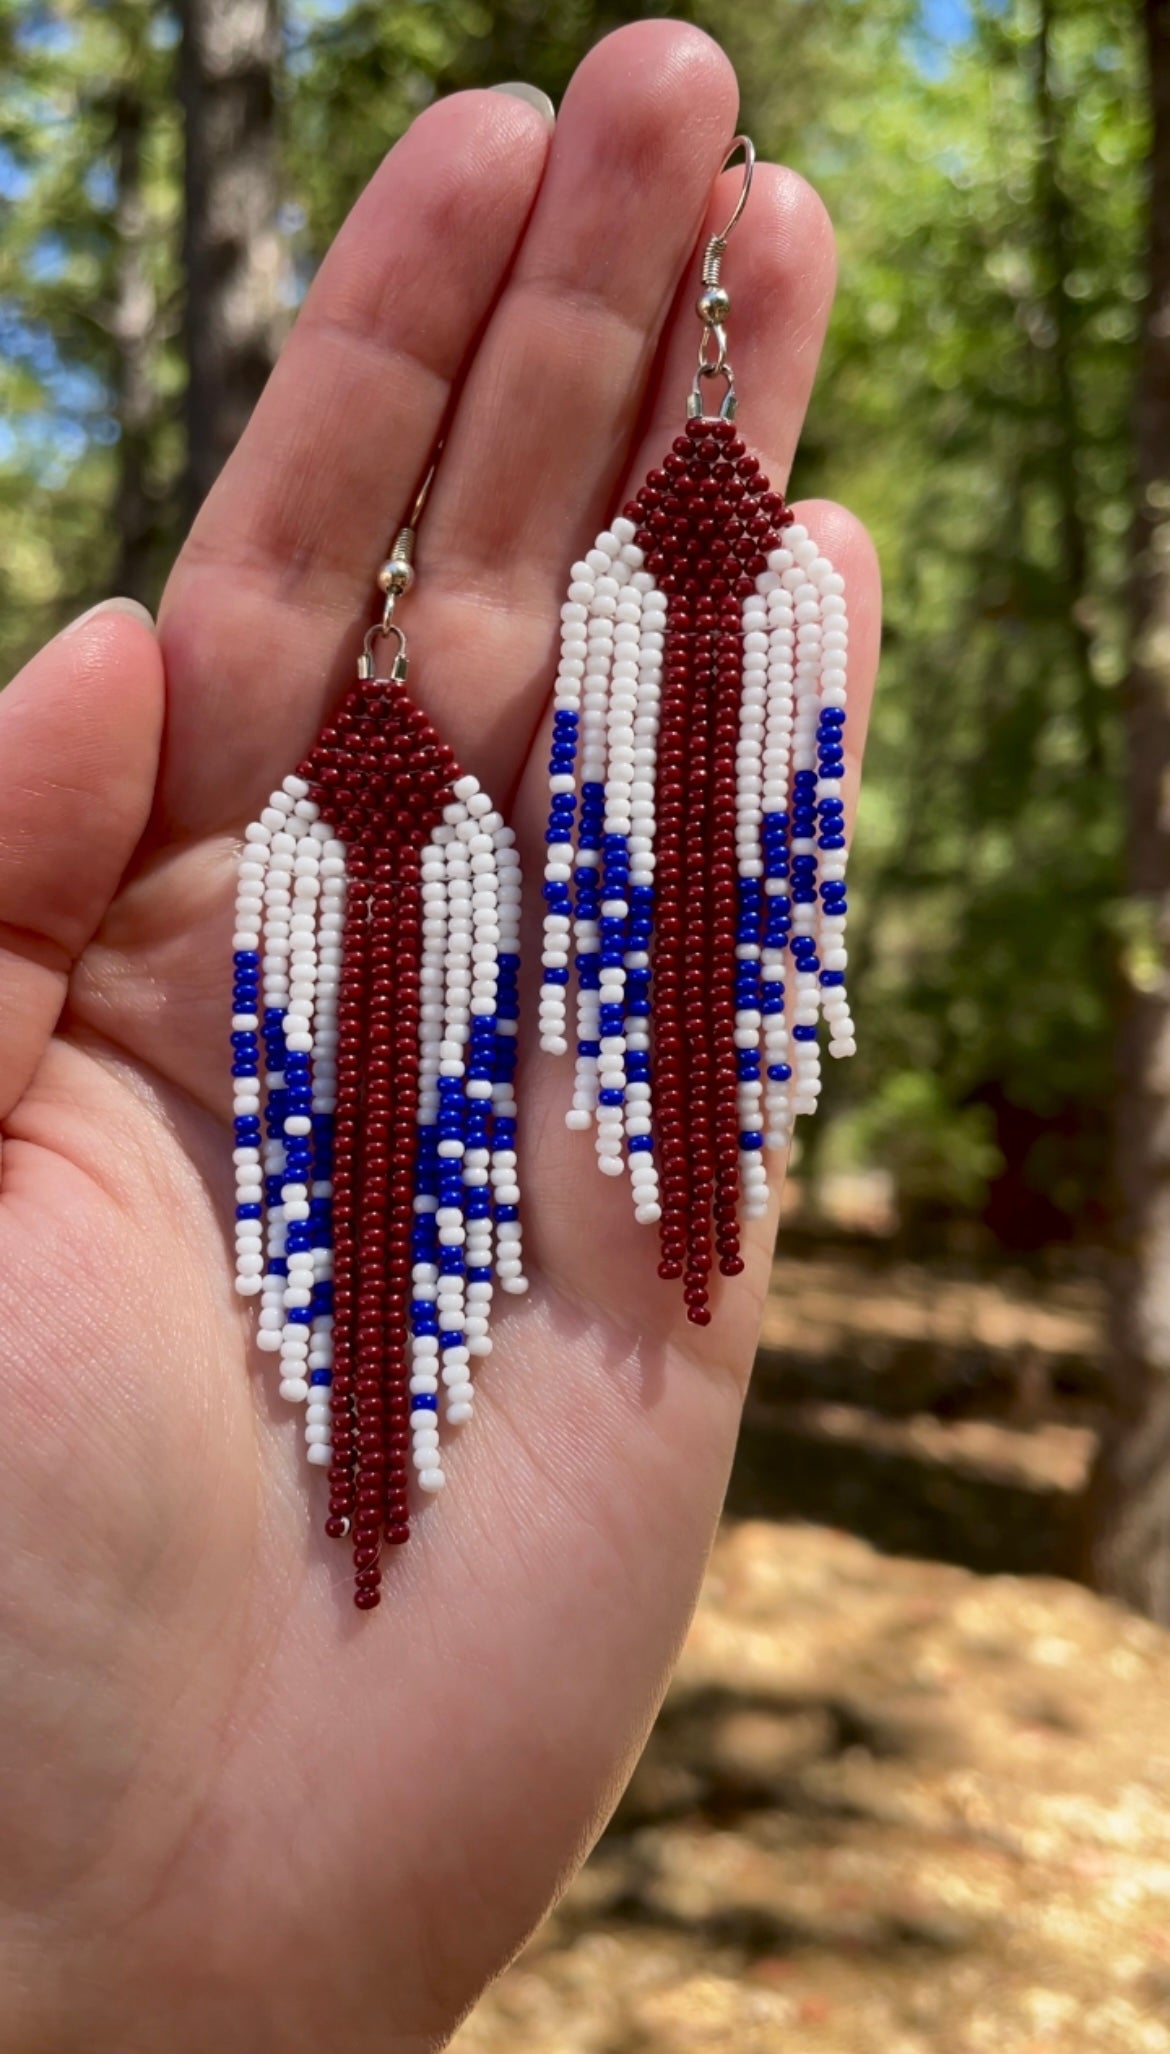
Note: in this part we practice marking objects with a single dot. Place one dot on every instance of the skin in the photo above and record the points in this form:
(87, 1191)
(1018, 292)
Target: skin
(235, 1813)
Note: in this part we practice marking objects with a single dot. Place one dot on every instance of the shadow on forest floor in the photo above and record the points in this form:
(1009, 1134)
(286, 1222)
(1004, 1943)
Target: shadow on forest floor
(935, 1411)
(888, 1804)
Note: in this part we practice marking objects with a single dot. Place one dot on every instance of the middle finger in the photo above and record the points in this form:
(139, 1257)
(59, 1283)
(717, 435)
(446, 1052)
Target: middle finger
(548, 410)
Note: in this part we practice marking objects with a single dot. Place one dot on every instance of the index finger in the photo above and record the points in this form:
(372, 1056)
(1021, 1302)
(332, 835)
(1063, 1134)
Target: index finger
(282, 557)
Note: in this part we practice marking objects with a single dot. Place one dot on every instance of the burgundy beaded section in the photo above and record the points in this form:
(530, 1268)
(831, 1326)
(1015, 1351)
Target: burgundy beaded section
(382, 777)
(706, 520)
(695, 851)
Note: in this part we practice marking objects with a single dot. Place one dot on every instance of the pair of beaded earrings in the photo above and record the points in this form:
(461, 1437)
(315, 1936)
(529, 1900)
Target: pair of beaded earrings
(694, 886)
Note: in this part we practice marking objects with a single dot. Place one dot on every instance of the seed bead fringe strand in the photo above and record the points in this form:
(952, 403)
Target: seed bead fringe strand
(696, 844)
(374, 1017)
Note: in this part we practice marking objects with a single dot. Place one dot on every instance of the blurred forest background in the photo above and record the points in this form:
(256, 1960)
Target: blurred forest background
(986, 168)
(967, 1356)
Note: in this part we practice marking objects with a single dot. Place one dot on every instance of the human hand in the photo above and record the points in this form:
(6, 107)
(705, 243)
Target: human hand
(234, 1813)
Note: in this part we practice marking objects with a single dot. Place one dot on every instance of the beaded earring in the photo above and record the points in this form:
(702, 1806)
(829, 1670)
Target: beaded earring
(696, 845)
(374, 1025)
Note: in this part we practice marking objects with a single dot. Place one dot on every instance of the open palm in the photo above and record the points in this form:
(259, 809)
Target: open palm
(234, 1813)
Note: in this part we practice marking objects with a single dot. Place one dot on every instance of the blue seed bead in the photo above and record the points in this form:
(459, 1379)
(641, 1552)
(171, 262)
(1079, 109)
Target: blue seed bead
(248, 1212)
(641, 1144)
(610, 1096)
(751, 1138)
(804, 1034)
(831, 977)
(424, 1401)
(320, 1376)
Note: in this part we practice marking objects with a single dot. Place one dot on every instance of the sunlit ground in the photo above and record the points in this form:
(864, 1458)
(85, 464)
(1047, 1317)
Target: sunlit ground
(891, 1806)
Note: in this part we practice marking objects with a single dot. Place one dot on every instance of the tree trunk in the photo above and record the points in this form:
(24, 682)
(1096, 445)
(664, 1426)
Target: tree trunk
(133, 324)
(1130, 1499)
(1055, 253)
(231, 248)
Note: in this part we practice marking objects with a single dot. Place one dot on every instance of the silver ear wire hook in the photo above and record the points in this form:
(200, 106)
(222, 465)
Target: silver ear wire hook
(395, 578)
(714, 302)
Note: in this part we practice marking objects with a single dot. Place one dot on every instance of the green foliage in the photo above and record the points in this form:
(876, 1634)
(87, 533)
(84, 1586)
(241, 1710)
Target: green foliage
(973, 408)
(938, 1154)
(77, 71)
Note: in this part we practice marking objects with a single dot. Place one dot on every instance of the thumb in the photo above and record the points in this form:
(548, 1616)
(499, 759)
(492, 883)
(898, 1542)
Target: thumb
(80, 730)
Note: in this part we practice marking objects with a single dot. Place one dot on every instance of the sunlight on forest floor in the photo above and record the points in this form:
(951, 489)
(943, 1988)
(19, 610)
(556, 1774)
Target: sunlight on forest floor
(890, 1806)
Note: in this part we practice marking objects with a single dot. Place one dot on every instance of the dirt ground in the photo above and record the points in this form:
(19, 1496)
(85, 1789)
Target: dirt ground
(891, 1806)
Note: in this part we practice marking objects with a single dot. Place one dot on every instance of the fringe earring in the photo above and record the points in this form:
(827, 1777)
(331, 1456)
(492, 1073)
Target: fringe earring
(374, 1019)
(695, 873)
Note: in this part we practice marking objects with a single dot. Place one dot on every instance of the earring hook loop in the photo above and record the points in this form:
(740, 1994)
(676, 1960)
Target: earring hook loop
(714, 302)
(395, 578)
(744, 143)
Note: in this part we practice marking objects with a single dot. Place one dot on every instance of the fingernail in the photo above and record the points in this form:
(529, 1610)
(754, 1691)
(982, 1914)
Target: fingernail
(517, 89)
(133, 607)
